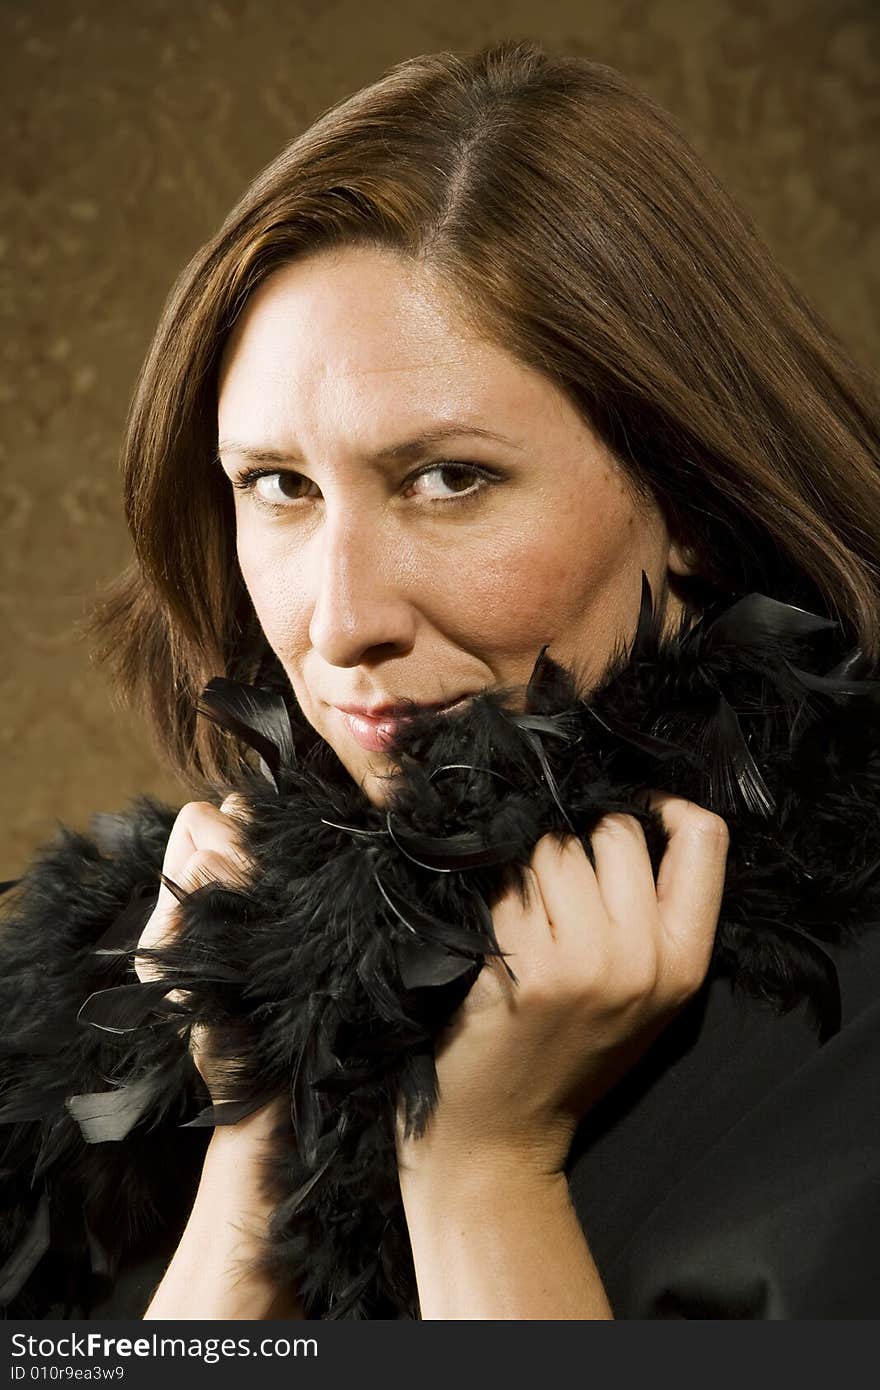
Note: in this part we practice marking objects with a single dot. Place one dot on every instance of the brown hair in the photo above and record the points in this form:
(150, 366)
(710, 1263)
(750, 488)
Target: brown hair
(570, 213)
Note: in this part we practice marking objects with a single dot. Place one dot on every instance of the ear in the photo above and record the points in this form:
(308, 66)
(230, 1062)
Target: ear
(682, 559)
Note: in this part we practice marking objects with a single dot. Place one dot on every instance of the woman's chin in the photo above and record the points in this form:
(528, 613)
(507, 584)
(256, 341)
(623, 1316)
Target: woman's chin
(371, 772)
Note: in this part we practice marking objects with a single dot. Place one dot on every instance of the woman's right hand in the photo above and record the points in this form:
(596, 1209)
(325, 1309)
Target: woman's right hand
(203, 846)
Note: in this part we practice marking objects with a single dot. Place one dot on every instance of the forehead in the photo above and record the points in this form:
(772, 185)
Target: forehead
(351, 332)
(362, 308)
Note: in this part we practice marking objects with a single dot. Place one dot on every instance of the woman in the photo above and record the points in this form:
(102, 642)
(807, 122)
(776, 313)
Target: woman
(482, 348)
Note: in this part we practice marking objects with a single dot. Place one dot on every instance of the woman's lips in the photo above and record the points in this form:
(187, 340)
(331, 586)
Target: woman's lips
(374, 734)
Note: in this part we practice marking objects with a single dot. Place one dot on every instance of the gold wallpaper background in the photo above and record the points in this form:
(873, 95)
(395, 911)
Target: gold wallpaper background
(131, 127)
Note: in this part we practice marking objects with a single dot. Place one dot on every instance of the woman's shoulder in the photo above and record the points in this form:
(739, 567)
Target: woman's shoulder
(736, 1173)
(67, 928)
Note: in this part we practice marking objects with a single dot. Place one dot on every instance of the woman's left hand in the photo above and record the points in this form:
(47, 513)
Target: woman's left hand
(604, 958)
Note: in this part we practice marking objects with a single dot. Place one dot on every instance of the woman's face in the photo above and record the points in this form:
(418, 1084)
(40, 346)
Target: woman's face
(431, 512)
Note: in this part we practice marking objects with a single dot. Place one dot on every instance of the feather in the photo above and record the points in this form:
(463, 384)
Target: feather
(424, 965)
(27, 1254)
(127, 927)
(418, 1091)
(469, 767)
(258, 717)
(448, 854)
(226, 1112)
(543, 724)
(108, 1116)
(425, 927)
(857, 884)
(125, 1008)
(757, 620)
(349, 1297)
(353, 829)
(332, 976)
(534, 682)
(835, 684)
(733, 769)
(535, 743)
(371, 970)
(646, 630)
(659, 748)
(819, 980)
(853, 666)
(291, 1204)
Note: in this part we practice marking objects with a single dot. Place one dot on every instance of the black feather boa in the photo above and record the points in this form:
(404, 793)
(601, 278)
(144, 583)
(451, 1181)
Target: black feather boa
(330, 976)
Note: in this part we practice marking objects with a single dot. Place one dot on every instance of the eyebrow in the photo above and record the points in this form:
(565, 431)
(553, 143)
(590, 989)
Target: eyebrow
(393, 453)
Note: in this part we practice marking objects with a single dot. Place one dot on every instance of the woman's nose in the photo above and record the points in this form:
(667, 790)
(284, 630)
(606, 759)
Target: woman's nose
(359, 601)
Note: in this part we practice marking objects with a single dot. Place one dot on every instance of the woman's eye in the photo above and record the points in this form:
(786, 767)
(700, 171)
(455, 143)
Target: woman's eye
(447, 480)
(282, 487)
(274, 489)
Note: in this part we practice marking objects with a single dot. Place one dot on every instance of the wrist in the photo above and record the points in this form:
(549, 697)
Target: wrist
(246, 1140)
(218, 1269)
(474, 1175)
(477, 1159)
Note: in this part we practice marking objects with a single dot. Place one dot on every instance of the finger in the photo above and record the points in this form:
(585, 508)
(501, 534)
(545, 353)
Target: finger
(211, 866)
(623, 868)
(204, 867)
(201, 826)
(569, 891)
(522, 932)
(201, 847)
(628, 892)
(690, 884)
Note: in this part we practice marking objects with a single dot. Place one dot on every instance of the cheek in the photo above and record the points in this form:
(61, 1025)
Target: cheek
(275, 591)
(535, 579)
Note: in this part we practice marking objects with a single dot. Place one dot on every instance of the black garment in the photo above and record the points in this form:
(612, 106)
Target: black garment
(735, 1173)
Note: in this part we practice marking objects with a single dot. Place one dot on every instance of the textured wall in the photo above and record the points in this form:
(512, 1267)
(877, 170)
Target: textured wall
(130, 129)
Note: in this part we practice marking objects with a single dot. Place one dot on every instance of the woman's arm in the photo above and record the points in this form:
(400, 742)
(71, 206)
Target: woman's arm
(214, 1271)
(604, 957)
(496, 1244)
